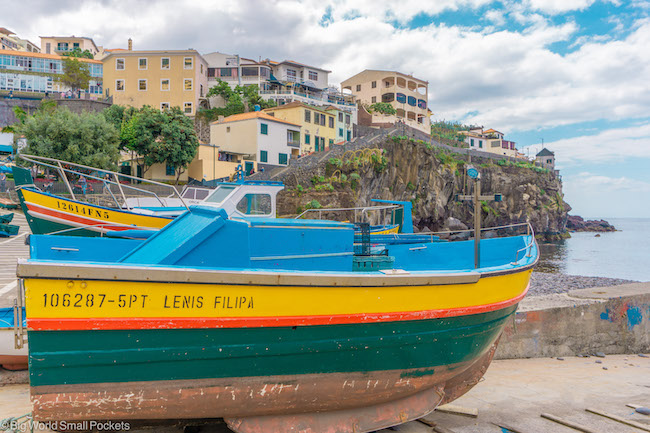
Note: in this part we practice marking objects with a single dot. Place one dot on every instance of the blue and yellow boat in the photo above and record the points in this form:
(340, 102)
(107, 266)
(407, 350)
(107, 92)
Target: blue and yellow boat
(275, 325)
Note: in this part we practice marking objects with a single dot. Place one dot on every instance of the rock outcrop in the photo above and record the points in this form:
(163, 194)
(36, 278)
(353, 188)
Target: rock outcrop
(408, 170)
(578, 224)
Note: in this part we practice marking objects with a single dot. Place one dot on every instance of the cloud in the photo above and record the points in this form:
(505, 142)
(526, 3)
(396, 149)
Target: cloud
(609, 146)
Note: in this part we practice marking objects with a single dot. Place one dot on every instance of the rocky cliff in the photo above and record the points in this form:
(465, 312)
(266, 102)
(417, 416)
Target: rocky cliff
(403, 169)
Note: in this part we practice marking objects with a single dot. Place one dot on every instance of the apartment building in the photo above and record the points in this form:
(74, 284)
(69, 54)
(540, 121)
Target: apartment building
(10, 41)
(318, 126)
(38, 73)
(283, 82)
(270, 141)
(407, 94)
(489, 140)
(64, 44)
(160, 78)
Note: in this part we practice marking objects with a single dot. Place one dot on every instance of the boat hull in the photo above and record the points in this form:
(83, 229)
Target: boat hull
(47, 213)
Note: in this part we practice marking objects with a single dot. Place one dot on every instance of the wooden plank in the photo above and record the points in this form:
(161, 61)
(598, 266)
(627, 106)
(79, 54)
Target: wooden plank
(458, 410)
(508, 427)
(621, 420)
(567, 423)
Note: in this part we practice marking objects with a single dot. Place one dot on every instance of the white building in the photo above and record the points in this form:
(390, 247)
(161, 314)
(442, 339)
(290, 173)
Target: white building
(258, 136)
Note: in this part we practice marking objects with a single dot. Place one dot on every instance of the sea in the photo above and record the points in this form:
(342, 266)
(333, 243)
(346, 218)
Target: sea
(624, 253)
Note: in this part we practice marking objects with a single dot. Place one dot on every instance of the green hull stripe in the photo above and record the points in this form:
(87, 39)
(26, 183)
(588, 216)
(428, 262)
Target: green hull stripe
(73, 357)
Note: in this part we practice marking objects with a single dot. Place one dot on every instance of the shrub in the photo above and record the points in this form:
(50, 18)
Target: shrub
(410, 186)
(314, 204)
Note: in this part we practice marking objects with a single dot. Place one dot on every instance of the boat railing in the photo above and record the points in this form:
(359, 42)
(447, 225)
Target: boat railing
(62, 167)
(357, 211)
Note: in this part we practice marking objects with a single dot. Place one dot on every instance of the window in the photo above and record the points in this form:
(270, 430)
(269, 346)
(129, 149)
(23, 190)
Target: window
(313, 76)
(331, 141)
(225, 72)
(62, 46)
(119, 85)
(307, 116)
(358, 87)
(374, 99)
(188, 63)
(248, 71)
(187, 84)
(255, 204)
(549, 161)
(220, 193)
(119, 64)
(340, 132)
(264, 156)
(201, 68)
(282, 158)
(471, 142)
(331, 124)
(164, 105)
(142, 63)
(142, 84)
(347, 119)
(264, 129)
(291, 75)
(307, 139)
(169, 170)
(164, 84)
(164, 63)
(201, 92)
(480, 143)
(202, 194)
(187, 108)
(374, 85)
(340, 117)
(322, 119)
(227, 128)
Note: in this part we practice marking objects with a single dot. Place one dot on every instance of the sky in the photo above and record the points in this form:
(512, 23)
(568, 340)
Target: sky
(571, 75)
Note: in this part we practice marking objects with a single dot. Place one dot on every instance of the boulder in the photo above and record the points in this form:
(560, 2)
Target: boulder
(453, 224)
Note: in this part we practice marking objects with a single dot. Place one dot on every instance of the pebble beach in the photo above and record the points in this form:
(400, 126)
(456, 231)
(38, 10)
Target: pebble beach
(543, 283)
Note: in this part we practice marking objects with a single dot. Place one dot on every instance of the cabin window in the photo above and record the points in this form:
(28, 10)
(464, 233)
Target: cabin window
(189, 194)
(255, 204)
(202, 193)
(220, 194)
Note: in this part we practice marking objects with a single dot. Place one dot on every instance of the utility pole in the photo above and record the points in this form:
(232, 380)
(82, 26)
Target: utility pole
(238, 70)
(476, 198)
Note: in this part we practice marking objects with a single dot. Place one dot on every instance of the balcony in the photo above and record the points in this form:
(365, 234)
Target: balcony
(306, 96)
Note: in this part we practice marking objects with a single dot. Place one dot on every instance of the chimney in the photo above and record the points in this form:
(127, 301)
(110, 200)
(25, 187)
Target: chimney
(130, 44)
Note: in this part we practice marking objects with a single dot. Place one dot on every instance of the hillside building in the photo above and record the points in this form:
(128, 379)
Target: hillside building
(31, 73)
(407, 94)
(160, 79)
(257, 136)
(489, 140)
(546, 159)
(318, 126)
(64, 44)
(11, 42)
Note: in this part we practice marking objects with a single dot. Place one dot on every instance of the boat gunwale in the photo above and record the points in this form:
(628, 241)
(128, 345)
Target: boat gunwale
(148, 274)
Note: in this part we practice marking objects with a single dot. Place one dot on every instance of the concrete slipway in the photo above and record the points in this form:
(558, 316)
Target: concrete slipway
(611, 321)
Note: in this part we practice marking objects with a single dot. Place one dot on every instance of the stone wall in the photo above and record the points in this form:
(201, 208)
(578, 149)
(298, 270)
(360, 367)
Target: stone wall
(7, 105)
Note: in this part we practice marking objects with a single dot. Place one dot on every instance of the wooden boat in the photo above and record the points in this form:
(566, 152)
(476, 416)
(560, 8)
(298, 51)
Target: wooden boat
(262, 322)
(129, 210)
(11, 358)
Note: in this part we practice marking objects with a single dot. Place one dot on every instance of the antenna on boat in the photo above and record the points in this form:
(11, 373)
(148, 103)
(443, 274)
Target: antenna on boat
(475, 175)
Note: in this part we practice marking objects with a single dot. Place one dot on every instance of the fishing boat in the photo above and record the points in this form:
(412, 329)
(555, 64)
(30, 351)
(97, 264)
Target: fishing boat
(275, 325)
(129, 209)
(11, 358)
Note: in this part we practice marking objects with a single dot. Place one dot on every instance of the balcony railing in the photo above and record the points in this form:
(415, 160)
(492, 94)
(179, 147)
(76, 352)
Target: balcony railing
(307, 95)
(293, 143)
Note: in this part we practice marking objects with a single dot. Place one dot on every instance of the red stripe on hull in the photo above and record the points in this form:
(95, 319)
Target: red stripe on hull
(75, 219)
(120, 323)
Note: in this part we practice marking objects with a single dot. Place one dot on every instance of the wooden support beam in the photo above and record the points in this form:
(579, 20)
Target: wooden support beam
(567, 423)
(621, 420)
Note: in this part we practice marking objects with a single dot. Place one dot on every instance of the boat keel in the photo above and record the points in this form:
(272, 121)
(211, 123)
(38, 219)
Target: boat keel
(356, 420)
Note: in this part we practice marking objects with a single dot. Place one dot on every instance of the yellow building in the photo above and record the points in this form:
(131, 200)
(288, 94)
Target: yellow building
(318, 127)
(210, 163)
(64, 44)
(160, 79)
(407, 94)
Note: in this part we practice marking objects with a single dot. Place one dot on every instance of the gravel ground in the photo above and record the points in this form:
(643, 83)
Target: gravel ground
(542, 283)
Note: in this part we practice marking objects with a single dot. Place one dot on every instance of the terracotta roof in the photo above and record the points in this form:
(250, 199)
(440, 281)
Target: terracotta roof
(253, 115)
(46, 56)
(6, 31)
(487, 131)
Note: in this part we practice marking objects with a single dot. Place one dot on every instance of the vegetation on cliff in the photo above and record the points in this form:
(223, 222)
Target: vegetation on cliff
(409, 170)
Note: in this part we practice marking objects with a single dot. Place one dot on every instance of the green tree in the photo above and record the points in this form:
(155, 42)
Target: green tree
(159, 137)
(241, 99)
(86, 138)
(383, 108)
(76, 52)
(76, 74)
